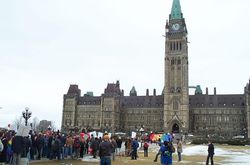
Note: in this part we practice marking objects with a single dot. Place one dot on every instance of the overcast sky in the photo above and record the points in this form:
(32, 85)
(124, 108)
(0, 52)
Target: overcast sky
(46, 45)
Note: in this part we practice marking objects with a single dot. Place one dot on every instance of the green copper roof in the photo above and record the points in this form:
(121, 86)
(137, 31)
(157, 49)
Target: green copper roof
(198, 90)
(176, 10)
(89, 94)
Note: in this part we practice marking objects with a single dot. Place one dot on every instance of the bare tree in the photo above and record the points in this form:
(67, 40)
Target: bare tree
(18, 122)
(35, 123)
(53, 126)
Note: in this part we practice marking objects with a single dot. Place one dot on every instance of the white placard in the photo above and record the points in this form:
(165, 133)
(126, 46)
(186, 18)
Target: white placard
(133, 135)
(93, 133)
(23, 131)
(100, 134)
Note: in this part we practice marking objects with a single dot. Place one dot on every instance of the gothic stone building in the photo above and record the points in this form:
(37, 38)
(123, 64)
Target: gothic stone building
(174, 110)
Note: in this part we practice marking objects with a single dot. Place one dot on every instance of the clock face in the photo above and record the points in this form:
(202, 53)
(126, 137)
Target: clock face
(176, 26)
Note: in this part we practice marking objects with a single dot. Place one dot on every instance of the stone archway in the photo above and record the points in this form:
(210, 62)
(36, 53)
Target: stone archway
(176, 128)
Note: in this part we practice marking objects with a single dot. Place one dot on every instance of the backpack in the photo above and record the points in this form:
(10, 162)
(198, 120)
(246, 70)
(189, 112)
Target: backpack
(173, 149)
(166, 152)
(145, 145)
(1, 146)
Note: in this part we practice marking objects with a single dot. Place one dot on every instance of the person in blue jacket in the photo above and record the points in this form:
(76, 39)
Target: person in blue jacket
(134, 147)
(166, 151)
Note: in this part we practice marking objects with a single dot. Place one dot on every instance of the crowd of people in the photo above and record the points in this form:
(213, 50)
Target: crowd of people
(55, 145)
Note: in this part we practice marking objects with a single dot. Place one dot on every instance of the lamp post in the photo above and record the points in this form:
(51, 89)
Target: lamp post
(26, 115)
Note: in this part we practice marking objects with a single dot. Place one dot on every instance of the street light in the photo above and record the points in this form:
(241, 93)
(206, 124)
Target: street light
(26, 115)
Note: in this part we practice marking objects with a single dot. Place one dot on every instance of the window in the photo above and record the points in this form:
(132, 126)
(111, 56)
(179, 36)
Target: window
(172, 62)
(179, 61)
(172, 89)
(178, 89)
(175, 105)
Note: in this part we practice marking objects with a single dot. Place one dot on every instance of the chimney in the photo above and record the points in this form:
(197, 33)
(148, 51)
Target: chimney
(154, 92)
(214, 90)
(147, 92)
(206, 90)
(122, 92)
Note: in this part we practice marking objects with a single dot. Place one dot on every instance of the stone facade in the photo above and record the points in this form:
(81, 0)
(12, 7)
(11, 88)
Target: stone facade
(223, 115)
(175, 110)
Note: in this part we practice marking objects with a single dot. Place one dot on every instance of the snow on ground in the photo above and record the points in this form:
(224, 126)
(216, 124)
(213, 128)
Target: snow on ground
(233, 157)
(240, 157)
(89, 158)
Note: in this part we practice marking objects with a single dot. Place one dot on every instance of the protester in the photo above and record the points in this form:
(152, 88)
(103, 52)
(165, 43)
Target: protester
(179, 149)
(39, 142)
(69, 146)
(76, 147)
(145, 148)
(134, 146)
(62, 143)
(156, 156)
(114, 146)
(3, 153)
(95, 146)
(119, 145)
(210, 152)
(56, 149)
(166, 153)
(128, 147)
(82, 147)
(45, 146)
(17, 147)
(105, 148)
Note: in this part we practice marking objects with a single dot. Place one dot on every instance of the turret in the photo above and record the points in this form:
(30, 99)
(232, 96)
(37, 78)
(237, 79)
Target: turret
(176, 10)
(74, 90)
(133, 92)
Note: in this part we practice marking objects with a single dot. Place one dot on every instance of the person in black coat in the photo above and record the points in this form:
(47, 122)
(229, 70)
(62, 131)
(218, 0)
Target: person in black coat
(39, 145)
(210, 152)
(18, 146)
(4, 152)
(95, 147)
(119, 144)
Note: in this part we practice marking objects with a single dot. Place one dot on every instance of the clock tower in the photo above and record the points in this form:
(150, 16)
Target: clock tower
(176, 97)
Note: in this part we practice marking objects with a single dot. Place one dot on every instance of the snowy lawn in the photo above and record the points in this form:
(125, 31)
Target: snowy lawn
(192, 155)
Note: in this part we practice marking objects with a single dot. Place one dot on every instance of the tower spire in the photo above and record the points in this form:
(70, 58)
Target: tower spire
(176, 10)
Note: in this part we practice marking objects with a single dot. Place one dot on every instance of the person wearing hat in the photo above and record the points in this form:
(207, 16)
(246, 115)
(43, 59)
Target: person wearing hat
(105, 149)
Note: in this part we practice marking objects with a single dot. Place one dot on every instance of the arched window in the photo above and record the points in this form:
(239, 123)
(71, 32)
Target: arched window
(172, 62)
(170, 45)
(177, 45)
(180, 46)
(172, 89)
(175, 105)
(179, 61)
(178, 89)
